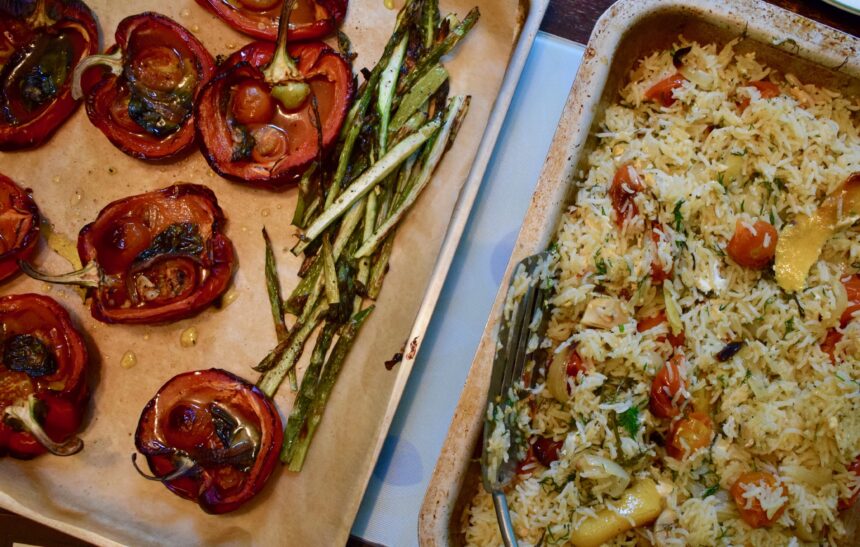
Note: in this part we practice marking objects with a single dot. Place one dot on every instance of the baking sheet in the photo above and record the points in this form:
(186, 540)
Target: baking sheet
(629, 30)
(96, 495)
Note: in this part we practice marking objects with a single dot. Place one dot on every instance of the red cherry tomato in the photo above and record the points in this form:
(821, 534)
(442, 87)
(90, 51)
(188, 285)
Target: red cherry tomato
(547, 450)
(252, 103)
(664, 388)
(625, 185)
(663, 91)
(754, 514)
(847, 503)
(767, 90)
(225, 430)
(659, 318)
(829, 345)
(689, 434)
(753, 246)
(852, 288)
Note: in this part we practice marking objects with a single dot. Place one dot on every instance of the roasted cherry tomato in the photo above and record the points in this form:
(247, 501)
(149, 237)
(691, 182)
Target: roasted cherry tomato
(753, 246)
(249, 136)
(625, 185)
(751, 510)
(663, 91)
(563, 365)
(141, 95)
(19, 226)
(657, 319)
(154, 257)
(847, 503)
(829, 345)
(41, 42)
(259, 18)
(43, 390)
(852, 288)
(211, 437)
(767, 90)
(665, 387)
(689, 434)
(546, 450)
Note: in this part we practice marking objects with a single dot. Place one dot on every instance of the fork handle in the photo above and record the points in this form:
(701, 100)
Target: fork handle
(503, 515)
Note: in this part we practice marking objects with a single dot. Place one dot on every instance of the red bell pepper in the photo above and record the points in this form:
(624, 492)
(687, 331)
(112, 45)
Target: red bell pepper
(142, 100)
(256, 119)
(153, 258)
(210, 437)
(19, 226)
(41, 42)
(43, 390)
(311, 19)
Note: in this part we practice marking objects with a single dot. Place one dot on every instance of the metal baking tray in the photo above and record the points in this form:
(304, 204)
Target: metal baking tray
(628, 31)
(96, 495)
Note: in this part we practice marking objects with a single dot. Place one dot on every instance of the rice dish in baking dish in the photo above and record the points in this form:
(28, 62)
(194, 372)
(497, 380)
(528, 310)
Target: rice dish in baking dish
(703, 331)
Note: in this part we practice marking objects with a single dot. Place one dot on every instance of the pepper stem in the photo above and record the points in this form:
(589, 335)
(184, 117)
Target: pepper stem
(288, 82)
(24, 412)
(88, 276)
(186, 465)
(112, 61)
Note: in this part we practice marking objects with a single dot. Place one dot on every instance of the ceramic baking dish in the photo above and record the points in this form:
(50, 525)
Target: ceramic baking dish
(628, 31)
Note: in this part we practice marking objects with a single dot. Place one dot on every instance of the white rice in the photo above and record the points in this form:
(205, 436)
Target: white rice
(780, 405)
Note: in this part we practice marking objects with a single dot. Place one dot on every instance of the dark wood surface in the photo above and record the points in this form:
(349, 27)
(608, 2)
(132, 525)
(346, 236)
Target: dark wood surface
(571, 19)
(574, 19)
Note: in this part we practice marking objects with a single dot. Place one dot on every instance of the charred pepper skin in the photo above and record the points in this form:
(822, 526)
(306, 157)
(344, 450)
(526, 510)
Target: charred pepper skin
(110, 97)
(47, 43)
(263, 25)
(328, 74)
(62, 393)
(20, 233)
(180, 422)
(152, 236)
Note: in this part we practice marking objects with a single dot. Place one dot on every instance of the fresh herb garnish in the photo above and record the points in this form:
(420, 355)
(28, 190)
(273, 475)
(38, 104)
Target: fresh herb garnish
(629, 420)
(679, 217)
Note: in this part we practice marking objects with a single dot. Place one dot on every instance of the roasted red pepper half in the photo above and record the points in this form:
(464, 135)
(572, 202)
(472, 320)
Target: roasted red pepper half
(154, 257)
(257, 118)
(41, 42)
(141, 94)
(43, 390)
(211, 437)
(259, 18)
(19, 226)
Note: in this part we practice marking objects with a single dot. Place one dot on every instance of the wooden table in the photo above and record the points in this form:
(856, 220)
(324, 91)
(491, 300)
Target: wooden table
(574, 19)
(571, 19)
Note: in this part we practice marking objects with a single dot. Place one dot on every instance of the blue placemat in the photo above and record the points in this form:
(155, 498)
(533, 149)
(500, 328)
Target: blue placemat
(389, 510)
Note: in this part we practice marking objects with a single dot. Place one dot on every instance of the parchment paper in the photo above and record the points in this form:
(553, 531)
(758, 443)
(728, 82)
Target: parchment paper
(96, 494)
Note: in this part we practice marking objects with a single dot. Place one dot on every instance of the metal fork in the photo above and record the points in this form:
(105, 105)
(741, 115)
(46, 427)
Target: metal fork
(508, 366)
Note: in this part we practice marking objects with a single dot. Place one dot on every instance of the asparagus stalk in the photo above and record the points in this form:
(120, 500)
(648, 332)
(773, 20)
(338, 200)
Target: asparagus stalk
(428, 61)
(366, 181)
(331, 290)
(326, 382)
(273, 287)
(458, 104)
(418, 95)
(271, 380)
(307, 393)
(387, 85)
